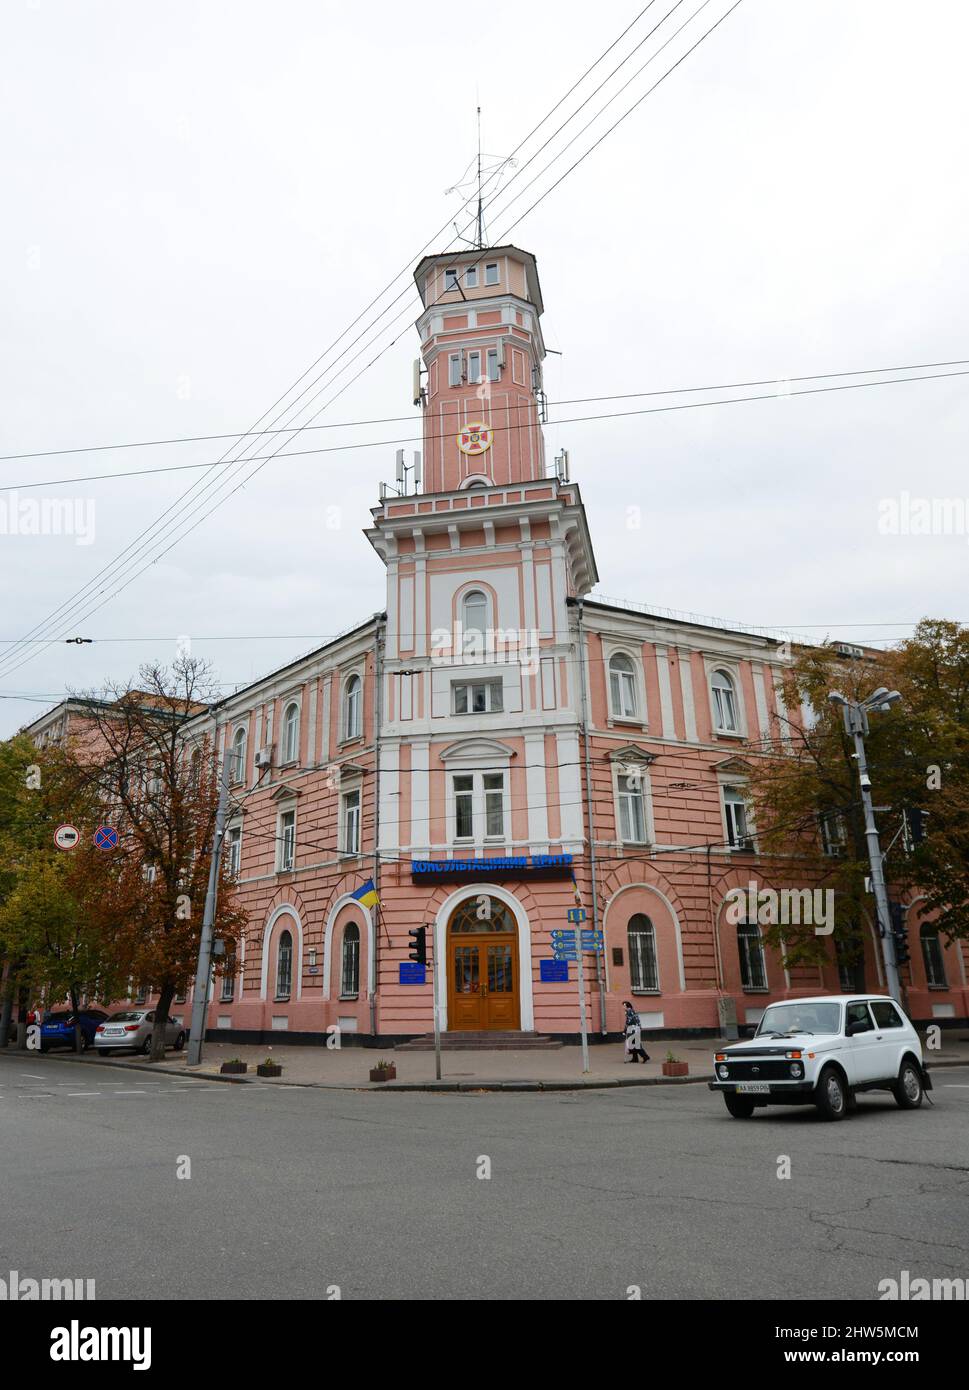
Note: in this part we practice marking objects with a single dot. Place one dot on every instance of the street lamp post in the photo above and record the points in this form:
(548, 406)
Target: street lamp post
(200, 998)
(855, 714)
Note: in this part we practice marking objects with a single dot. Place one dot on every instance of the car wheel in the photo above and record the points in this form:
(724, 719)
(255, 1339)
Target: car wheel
(179, 1042)
(908, 1090)
(739, 1106)
(146, 1045)
(832, 1094)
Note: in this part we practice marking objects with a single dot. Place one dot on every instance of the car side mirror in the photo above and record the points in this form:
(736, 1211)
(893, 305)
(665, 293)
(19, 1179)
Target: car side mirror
(854, 1027)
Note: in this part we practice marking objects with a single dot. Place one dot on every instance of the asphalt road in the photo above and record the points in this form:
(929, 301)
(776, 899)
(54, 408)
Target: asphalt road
(293, 1191)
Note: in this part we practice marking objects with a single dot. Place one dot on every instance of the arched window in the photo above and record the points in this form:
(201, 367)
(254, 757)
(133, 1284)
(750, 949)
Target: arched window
(750, 948)
(622, 686)
(291, 733)
(932, 957)
(643, 972)
(724, 703)
(475, 612)
(284, 965)
(238, 769)
(350, 971)
(353, 708)
(481, 913)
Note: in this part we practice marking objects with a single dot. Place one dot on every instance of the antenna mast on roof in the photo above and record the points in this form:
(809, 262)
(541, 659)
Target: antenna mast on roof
(492, 174)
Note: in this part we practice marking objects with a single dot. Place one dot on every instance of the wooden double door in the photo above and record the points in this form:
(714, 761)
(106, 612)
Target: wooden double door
(483, 982)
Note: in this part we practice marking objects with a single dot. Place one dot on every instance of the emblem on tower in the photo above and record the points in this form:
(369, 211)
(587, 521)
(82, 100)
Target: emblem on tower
(475, 438)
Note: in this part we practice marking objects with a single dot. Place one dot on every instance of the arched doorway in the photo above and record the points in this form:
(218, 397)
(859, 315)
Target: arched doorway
(482, 957)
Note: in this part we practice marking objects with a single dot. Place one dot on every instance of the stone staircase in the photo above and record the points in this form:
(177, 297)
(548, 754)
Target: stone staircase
(481, 1042)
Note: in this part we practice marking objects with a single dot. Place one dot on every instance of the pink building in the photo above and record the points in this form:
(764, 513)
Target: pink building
(497, 747)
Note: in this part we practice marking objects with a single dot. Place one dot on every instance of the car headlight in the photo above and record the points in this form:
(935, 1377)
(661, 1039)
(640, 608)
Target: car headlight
(797, 1069)
(723, 1072)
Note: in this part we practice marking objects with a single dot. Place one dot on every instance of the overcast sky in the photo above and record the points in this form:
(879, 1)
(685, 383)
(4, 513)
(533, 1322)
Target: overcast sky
(200, 197)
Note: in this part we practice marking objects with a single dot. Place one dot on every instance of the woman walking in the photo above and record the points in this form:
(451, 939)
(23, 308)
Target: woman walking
(634, 1035)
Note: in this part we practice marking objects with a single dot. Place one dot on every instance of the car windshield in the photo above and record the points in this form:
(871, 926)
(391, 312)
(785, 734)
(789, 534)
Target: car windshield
(789, 1020)
(58, 1018)
(126, 1018)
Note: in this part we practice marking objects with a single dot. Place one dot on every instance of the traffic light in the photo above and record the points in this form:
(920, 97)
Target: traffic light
(915, 825)
(899, 934)
(418, 947)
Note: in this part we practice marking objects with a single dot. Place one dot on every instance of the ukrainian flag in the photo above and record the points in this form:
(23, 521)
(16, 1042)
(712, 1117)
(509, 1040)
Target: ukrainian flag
(366, 894)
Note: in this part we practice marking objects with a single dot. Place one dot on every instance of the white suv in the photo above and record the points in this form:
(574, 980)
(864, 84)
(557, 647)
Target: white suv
(821, 1052)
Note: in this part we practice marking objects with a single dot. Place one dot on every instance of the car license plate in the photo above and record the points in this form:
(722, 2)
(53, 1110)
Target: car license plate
(113, 1032)
(756, 1088)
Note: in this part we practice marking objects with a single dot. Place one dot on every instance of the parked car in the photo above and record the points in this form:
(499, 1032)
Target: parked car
(57, 1028)
(134, 1028)
(823, 1051)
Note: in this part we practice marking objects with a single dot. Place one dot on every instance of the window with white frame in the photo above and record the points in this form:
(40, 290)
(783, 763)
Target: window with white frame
(491, 273)
(454, 369)
(494, 364)
(631, 800)
(834, 835)
(350, 963)
(471, 277)
(233, 849)
(228, 986)
(735, 815)
(643, 971)
(477, 697)
(725, 711)
(450, 280)
(237, 767)
(622, 686)
(353, 708)
(474, 367)
(479, 806)
(286, 841)
(932, 957)
(350, 821)
(284, 965)
(142, 994)
(850, 955)
(474, 612)
(291, 733)
(750, 948)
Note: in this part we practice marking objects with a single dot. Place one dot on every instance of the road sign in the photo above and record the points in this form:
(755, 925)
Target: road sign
(576, 914)
(67, 837)
(565, 953)
(106, 837)
(554, 970)
(561, 935)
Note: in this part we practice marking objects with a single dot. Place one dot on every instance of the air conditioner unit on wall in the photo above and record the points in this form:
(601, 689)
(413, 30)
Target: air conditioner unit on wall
(264, 757)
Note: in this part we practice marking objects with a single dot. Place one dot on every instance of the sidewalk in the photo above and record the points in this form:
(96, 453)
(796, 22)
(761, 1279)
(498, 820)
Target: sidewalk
(560, 1069)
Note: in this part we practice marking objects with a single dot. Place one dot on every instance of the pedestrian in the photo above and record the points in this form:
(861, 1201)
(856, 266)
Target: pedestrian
(634, 1035)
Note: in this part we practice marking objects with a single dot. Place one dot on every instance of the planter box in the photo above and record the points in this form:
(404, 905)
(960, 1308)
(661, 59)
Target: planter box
(234, 1068)
(676, 1068)
(383, 1073)
(269, 1069)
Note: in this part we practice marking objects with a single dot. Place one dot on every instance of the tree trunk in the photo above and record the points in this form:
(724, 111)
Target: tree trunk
(77, 1026)
(23, 999)
(165, 996)
(6, 1007)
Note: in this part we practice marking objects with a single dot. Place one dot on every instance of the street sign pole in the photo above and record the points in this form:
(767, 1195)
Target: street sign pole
(580, 973)
(437, 1017)
(200, 999)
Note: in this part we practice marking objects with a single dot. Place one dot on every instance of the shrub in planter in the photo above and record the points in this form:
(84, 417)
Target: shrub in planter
(384, 1071)
(234, 1067)
(269, 1068)
(672, 1066)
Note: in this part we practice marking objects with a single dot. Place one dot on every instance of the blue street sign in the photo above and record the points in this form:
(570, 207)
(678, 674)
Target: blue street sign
(554, 970)
(562, 935)
(106, 837)
(564, 954)
(576, 914)
(412, 974)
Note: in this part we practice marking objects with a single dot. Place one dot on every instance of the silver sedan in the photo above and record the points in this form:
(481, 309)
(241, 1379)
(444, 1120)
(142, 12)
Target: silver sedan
(134, 1028)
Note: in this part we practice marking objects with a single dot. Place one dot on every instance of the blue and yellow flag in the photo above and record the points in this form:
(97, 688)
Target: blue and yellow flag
(366, 894)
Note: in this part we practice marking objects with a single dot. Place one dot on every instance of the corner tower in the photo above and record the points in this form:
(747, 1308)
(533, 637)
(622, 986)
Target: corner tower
(481, 342)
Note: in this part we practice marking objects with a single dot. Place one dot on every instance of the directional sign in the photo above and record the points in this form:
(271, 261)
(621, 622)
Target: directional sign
(67, 837)
(576, 914)
(563, 954)
(106, 837)
(563, 935)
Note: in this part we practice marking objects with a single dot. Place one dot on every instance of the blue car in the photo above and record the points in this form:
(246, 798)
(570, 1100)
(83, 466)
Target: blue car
(57, 1029)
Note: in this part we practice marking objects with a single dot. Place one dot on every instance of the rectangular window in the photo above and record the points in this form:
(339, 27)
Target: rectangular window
(491, 273)
(735, 811)
(834, 838)
(479, 806)
(494, 366)
(351, 822)
(450, 280)
(350, 974)
(753, 971)
(228, 989)
(480, 697)
(643, 974)
(233, 842)
(454, 369)
(286, 837)
(632, 815)
(474, 366)
(471, 277)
